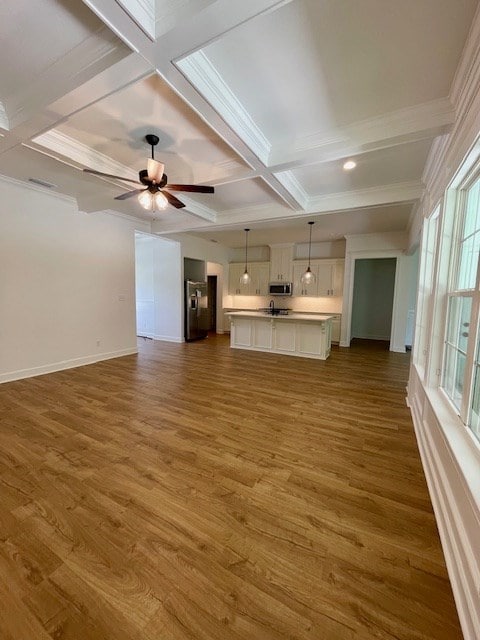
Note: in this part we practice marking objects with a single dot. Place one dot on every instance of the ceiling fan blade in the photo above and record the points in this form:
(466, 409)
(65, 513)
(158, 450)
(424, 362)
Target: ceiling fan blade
(155, 170)
(128, 194)
(109, 175)
(175, 202)
(194, 188)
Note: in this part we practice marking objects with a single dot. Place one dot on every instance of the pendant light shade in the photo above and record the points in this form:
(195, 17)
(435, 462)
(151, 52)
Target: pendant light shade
(152, 201)
(308, 277)
(245, 277)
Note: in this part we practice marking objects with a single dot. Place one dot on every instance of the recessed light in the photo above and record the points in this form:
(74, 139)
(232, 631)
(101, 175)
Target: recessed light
(349, 165)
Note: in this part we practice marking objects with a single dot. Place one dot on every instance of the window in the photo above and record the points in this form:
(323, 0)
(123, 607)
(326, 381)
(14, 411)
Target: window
(461, 358)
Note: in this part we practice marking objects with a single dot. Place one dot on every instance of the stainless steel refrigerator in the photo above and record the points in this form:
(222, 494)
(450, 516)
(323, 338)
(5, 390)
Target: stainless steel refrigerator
(196, 310)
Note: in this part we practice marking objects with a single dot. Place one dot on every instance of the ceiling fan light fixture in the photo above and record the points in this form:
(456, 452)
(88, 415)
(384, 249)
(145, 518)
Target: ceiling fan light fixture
(308, 277)
(146, 199)
(161, 201)
(155, 170)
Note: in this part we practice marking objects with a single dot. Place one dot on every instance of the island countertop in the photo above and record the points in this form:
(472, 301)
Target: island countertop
(307, 317)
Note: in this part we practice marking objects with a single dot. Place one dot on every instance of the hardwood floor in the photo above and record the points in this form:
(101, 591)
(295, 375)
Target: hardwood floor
(195, 492)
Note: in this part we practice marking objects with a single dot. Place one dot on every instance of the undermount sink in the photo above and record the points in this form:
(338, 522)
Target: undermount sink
(275, 312)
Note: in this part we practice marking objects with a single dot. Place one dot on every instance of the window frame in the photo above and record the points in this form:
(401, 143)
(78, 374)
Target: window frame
(459, 212)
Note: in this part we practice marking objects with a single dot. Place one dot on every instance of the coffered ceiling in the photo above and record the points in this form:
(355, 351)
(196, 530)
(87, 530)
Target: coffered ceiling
(263, 99)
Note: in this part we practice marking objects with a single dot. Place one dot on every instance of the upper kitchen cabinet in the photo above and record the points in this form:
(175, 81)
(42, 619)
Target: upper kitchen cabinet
(281, 262)
(300, 289)
(328, 278)
(259, 277)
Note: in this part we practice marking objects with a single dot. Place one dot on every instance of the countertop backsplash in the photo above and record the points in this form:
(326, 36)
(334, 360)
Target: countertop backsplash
(296, 303)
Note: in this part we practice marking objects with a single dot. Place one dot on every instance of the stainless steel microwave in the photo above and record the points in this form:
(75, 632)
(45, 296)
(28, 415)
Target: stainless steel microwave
(280, 288)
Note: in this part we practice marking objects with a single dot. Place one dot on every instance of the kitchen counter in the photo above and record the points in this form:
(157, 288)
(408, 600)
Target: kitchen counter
(293, 315)
(295, 334)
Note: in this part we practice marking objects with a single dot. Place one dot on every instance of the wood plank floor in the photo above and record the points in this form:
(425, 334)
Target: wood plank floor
(195, 492)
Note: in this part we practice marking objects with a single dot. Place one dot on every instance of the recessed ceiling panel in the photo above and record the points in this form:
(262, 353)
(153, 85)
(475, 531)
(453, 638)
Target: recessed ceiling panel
(393, 165)
(117, 125)
(313, 65)
(239, 195)
(36, 35)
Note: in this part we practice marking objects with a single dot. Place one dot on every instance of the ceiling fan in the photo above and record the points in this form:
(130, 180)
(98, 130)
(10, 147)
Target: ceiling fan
(156, 192)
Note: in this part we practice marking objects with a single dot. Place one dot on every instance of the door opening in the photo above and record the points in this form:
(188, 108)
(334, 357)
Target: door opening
(212, 303)
(373, 291)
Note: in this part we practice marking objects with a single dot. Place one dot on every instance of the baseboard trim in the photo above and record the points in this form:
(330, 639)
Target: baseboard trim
(20, 374)
(166, 338)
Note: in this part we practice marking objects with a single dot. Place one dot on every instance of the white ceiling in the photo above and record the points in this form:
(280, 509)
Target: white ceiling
(264, 99)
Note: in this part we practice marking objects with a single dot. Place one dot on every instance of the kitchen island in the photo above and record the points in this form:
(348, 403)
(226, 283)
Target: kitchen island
(295, 334)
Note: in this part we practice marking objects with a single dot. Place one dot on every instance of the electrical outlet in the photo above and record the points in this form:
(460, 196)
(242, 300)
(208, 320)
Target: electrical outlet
(98, 343)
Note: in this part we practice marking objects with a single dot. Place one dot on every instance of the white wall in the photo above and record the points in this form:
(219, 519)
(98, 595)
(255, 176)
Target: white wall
(168, 289)
(67, 288)
(159, 288)
(144, 288)
(211, 252)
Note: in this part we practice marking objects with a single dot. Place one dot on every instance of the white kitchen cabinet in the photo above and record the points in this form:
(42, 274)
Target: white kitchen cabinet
(301, 335)
(262, 334)
(300, 289)
(259, 276)
(281, 263)
(328, 278)
(241, 333)
(284, 337)
(313, 341)
(336, 326)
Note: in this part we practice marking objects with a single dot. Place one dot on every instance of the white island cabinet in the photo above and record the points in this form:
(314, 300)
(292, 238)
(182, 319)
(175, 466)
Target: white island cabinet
(296, 334)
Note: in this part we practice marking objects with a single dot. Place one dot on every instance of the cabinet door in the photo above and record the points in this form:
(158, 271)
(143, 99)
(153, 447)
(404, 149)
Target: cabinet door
(300, 289)
(284, 336)
(235, 270)
(336, 325)
(241, 330)
(281, 263)
(262, 334)
(310, 338)
(260, 273)
(325, 278)
(338, 275)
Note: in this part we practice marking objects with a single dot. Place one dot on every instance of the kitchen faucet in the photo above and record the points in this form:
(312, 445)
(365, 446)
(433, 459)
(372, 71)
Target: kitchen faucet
(272, 306)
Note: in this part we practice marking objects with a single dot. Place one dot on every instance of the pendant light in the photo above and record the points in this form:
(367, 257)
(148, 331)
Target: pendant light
(308, 277)
(245, 277)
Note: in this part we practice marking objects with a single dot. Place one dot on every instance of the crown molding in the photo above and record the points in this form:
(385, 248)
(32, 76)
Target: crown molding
(405, 125)
(90, 57)
(138, 222)
(38, 189)
(448, 152)
(142, 13)
(361, 198)
(66, 146)
(465, 83)
(294, 188)
(4, 123)
(199, 210)
(201, 73)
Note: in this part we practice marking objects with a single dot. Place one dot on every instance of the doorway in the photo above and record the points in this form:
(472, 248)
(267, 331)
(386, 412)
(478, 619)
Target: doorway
(373, 293)
(212, 303)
